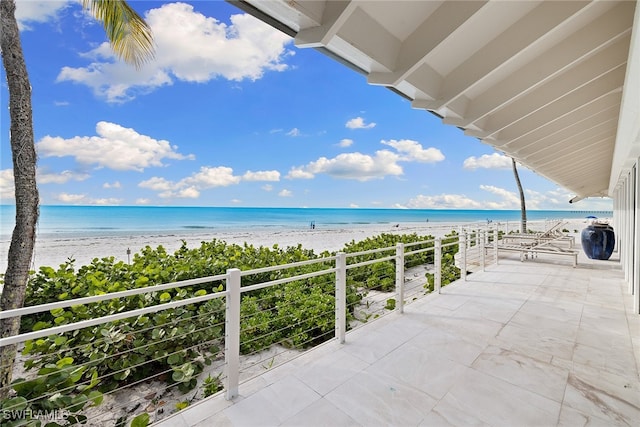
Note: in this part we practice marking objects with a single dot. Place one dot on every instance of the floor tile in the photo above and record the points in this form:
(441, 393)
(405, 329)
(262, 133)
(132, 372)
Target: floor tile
(521, 370)
(376, 400)
(498, 403)
(603, 396)
(272, 405)
(321, 413)
(431, 371)
(342, 366)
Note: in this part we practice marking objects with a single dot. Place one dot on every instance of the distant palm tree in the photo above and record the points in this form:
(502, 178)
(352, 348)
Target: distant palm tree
(523, 208)
(130, 39)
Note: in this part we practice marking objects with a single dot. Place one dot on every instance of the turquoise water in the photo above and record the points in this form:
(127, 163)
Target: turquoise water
(119, 220)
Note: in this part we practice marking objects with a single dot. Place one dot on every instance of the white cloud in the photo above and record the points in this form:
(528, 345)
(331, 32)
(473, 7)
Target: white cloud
(236, 201)
(63, 177)
(267, 187)
(510, 200)
(190, 47)
(157, 184)
(115, 184)
(106, 201)
(299, 173)
(183, 193)
(285, 193)
(294, 132)
(7, 187)
(70, 198)
(345, 143)
(37, 11)
(506, 200)
(115, 147)
(143, 201)
(209, 177)
(359, 123)
(261, 176)
(413, 151)
(190, 187)
(83, 199)
(488, 161)
(443, 201)
(361, 167)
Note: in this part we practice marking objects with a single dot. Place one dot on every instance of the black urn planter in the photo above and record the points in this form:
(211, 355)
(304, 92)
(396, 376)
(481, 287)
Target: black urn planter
(598, 241)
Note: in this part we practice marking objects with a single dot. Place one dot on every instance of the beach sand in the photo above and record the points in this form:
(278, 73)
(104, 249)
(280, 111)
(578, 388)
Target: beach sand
(55, 250)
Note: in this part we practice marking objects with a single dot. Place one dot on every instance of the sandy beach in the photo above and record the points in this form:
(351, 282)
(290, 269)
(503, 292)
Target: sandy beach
(55, 250)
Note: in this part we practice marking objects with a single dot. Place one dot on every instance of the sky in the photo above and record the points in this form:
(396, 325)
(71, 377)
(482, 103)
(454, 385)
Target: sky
(231, 113)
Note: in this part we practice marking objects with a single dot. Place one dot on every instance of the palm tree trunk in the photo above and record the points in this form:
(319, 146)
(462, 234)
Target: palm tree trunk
(26, 192)
(523, 208)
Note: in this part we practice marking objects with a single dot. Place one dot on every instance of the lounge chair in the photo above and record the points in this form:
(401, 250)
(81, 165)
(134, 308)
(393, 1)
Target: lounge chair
(550, 242)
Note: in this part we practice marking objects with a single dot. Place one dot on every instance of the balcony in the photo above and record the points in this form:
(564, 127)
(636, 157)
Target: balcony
(539, 342)
(533, 343)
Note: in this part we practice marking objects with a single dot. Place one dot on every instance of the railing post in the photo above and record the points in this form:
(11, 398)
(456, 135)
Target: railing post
(462, 247)
(400, 277)
(232, 333)
(496, 236)
(437, 280)
(341, 296)
(481, 247)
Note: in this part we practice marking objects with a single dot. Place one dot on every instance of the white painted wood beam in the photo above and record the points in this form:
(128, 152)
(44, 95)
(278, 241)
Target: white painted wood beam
(581, 179)
(572, 147)
(447, 19)
(574, 80)
(578, 161)
(599, 108)
(335, 15)
(608, 28)
(565, 138)
(371, 38)
(611, 82)
(506, 47)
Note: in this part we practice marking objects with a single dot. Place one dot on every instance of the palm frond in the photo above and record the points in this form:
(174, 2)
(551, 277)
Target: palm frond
(130, 36)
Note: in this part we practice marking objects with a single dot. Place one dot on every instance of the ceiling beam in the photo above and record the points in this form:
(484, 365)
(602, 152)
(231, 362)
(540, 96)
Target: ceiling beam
(558, 110)
(506, 47)
(446, 20)
(575, 48)
(336, 13)
(579, 77)
(600, 108)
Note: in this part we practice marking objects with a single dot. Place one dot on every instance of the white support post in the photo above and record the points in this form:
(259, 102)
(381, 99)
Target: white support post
(341, 296)
(437, 280)
(232, 333)
(496, 236)
(635, 217)
(482, 247)
(400, 277)
(462, 247)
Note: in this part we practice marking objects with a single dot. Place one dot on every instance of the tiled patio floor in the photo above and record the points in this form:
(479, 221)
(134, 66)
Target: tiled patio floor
(522, 344)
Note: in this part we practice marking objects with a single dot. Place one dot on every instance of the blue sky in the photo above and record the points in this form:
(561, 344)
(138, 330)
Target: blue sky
(231, 113)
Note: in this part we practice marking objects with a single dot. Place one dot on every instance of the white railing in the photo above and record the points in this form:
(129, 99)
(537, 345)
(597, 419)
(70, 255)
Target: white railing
(244, 356)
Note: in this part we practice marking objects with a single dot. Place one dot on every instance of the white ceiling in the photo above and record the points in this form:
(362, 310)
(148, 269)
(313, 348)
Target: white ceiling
(541, 81)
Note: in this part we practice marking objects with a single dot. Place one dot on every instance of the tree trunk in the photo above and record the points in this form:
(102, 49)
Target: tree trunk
(26, 192)
(523, 208)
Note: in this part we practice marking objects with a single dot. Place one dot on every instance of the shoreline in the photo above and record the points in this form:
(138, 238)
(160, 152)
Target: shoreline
(52, 250)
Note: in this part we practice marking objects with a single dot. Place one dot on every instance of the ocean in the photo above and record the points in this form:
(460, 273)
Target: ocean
(87, 221)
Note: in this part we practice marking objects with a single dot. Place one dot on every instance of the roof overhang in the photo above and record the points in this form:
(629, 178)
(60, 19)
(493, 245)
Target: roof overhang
(540, 81)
